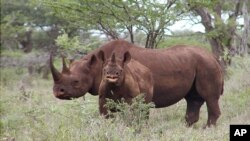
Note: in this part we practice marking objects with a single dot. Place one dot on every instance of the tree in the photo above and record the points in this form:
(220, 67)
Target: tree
(14, 16)
(219, 17)
(116, 18)
(21, 19)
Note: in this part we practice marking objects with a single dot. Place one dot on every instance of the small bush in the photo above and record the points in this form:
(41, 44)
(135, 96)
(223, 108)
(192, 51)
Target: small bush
(135, 114)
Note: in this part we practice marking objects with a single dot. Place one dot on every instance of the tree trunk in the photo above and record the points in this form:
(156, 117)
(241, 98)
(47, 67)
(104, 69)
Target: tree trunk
(27, 42)
(147, 41)
(243, 46)
(131, 34)
(218, 51)
(222, 34)
(151, 40)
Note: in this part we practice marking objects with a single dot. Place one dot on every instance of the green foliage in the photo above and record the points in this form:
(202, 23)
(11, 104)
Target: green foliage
(203, 3)
(135, 114)
(66, 43)
(17, 17)
(41, 40)
(74, 45)
(22, 16)
(114, 18)
(222, 31)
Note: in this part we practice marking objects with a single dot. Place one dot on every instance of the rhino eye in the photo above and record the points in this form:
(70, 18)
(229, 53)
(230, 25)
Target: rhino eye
(75, 82)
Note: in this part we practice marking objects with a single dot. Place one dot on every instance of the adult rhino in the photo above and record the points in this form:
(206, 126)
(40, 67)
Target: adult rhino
(179, 72)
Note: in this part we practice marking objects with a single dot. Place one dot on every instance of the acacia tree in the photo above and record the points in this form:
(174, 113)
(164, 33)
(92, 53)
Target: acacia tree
(115, 18)
(219, 18)
(22, 20)
(26, 24)
(14, 15)
(154, 19)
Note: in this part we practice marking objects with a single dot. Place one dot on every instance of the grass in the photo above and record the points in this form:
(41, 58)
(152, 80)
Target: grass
(30, 112)
(199, 42)
(12, 54)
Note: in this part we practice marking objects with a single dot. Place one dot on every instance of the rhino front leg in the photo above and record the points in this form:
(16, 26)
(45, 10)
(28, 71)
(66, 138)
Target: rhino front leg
(103, 90)
(102, 109)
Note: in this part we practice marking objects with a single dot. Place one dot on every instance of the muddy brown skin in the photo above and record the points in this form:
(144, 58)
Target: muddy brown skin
(123, 78)
(179, 72)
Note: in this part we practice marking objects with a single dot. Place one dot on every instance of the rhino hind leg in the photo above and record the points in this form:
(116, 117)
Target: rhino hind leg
(213, 111)
(194, 103)
(211, 97)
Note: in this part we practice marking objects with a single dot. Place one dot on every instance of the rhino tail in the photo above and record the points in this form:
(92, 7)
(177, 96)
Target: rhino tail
(222, 89)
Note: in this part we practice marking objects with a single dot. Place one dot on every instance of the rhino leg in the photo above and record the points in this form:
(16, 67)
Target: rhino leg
(210, 90)
(103, 93)
(103, 110)
(193, 109)
(213, 111)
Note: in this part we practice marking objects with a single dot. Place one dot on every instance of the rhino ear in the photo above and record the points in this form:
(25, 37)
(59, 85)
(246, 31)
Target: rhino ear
(71, 61)
(92, 60)
(126, 57)
(101, 56)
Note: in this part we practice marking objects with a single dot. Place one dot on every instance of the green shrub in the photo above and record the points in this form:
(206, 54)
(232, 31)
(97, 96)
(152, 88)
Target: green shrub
(76, 44)
(134, 114)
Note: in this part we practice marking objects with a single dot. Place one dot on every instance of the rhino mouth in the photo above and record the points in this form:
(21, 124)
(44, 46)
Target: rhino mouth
(112, 79)
(62, 96)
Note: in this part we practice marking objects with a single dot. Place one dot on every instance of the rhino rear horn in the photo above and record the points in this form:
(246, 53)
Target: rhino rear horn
(113, 58)
(55, 73)
(65, 68)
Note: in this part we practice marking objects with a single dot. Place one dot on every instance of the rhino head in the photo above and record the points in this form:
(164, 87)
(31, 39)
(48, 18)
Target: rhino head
(73, 81)
(113, 69)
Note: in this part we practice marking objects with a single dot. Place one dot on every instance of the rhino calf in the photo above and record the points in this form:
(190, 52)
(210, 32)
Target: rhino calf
(123, 78)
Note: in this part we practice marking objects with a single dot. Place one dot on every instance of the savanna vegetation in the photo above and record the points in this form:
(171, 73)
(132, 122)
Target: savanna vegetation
(29, 111)
(31, 29)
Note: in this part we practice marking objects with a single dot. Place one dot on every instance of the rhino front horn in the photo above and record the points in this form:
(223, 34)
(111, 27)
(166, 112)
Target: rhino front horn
(55, 73)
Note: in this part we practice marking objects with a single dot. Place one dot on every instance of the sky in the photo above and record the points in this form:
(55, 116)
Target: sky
(186, 25)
